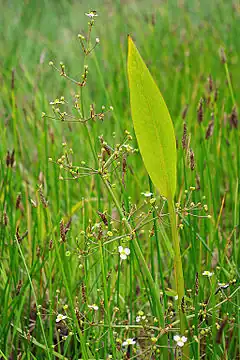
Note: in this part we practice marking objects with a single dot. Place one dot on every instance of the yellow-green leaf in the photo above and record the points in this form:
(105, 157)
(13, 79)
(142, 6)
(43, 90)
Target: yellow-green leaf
(152, 123)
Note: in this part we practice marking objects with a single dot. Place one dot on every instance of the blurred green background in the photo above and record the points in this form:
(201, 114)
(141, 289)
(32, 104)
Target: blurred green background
(180, 41)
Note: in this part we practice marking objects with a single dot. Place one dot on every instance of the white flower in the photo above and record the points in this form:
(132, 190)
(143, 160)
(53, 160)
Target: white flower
(91, 14)
(180, 340)
(124, 252)
(60, 317)
(207, 273)
(147, 194)
(223, 285)
(138, 318)
(93, 307)
(97, 40)
(129, 342)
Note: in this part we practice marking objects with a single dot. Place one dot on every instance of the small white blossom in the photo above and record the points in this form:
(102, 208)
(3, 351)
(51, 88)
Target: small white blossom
(124, 252)
(138, 319)
(223, 285)
(91, 14)
(147, 194)
(97, 40)
(207, 273)
(93, 307)
(180, 340)
(129, 342)
(60, 317)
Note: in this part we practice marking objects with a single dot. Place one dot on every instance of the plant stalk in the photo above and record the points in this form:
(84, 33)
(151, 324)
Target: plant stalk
(178, 272)
(145, 269)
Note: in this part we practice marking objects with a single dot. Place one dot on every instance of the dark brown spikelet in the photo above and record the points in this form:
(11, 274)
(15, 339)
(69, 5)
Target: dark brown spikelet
(191, 159)
(220, 331)
(83, 293)
(51, 134)
(124, 169)
(103, 218)
(92, 111)
(107, 149)
(12, 158)
(18, 201)
(183, 305)
(20, 237)
(5, 218)
(18, 288)
(42, 197)
(209, 131)
(200, 111)
(184, 112)
(184, 137)
(8, 158)
(19, 204)
(210, 83)
(50, 245)
(233, 118)
(222, 55)
(62, 231)
(196, 284)
(108, 275)
(198, 185)
(68, 225)
(38, 251)
(153, 19)
(13, 79)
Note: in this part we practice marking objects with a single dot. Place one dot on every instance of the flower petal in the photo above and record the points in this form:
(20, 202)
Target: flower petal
(176, 338)
(127, 251)
(180, 343)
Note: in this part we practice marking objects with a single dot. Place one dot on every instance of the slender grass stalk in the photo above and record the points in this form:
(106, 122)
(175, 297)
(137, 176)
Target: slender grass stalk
(106, 301)
(2, 354)
(229, 83)
(35, 299)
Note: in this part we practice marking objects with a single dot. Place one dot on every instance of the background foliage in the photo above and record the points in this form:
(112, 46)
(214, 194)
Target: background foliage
(180, 42)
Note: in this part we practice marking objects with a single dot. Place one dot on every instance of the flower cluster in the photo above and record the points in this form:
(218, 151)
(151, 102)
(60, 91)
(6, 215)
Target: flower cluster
(124, 252)
(60, 317)
(180, 340)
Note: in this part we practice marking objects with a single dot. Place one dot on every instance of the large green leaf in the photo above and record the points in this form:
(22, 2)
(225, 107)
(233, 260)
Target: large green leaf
(152, 123)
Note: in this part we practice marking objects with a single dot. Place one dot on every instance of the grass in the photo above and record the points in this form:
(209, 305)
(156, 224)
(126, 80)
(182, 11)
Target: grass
(51, 265)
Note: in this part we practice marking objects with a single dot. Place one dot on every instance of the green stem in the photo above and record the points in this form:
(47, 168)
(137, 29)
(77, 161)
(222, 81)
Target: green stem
(229, 83)
(79, 331)
(154, 216)
(35, 299)
(106, 299)
(178, 271)
(145, 269)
